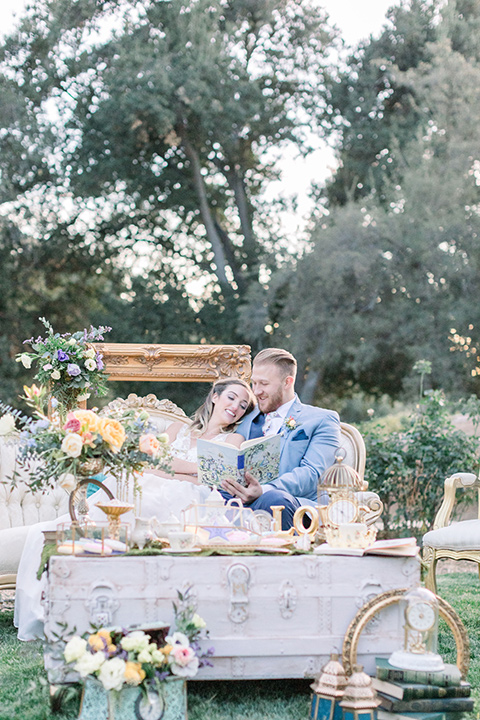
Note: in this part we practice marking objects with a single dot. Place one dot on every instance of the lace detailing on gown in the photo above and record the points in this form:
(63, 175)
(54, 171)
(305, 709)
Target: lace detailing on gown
(181, 446)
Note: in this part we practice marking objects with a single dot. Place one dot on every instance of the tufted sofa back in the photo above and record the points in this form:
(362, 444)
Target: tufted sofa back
(18, 505)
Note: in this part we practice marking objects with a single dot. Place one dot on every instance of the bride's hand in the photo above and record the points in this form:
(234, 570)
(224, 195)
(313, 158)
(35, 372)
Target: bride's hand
(245, 494)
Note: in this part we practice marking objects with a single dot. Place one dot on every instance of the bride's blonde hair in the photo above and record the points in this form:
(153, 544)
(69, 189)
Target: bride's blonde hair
(201, 416)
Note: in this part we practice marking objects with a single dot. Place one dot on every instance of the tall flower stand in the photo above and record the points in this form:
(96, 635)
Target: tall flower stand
(130, 703)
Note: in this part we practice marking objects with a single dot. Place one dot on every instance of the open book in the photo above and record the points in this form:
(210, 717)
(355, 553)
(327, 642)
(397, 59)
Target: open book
(218, 461)
(399, 547)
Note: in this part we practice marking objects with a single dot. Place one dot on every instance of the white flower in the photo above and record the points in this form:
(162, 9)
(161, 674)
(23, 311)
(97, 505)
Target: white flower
(75, 648)
(56, 375)
(158, 658)
(184, 662)
(198, 622)
(47, 366)
(72, 445)
(89, 353)
(178, 638)
(71, 341)
(135, 641)
(112, 674)
(89, 663)
(26, 360)
(83, 396)
(67, 482)
(7, 424)
(144, 656)
(90, 364)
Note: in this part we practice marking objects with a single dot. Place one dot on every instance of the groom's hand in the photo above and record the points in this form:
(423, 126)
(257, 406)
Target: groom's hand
(245, 494)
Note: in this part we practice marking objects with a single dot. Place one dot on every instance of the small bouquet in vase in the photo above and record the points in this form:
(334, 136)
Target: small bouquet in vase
(67, 365)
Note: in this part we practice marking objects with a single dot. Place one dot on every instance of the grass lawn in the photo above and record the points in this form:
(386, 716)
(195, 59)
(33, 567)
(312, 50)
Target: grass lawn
(24, 691)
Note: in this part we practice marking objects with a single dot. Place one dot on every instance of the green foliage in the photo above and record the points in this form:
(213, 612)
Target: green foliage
(408, 468)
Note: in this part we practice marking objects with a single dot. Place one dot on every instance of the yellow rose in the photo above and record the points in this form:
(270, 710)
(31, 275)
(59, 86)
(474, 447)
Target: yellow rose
(96, 642)
(134, 674)
(72, 445)
(112, 432)
(88, 420)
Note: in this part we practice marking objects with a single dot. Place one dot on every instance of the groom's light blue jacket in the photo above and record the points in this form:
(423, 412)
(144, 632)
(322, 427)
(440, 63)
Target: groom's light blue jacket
(306, 451)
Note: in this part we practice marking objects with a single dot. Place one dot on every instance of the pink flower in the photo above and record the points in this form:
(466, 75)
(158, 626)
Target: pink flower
(149, 445)
(184, 662)
(87, 437)
(72, 424)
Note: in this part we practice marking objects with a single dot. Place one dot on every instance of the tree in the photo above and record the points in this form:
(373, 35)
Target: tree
(163, 126)
(392, 278)
(373, 109)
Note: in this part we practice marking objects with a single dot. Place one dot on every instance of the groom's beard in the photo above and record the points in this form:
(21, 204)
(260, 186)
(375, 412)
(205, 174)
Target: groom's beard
(271, 403)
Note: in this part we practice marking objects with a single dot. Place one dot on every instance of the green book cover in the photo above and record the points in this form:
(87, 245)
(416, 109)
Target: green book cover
(418, 691)
(461, 704)
(385, 715)
(450, 675)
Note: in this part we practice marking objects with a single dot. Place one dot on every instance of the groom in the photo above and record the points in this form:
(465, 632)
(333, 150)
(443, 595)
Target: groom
(310, 436)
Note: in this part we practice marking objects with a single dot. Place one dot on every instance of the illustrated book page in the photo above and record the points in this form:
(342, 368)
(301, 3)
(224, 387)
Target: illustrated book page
(218, 461)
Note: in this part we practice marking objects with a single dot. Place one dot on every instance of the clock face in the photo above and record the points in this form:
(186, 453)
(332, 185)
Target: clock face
(342, 511)
(151, 707)
(421, 616)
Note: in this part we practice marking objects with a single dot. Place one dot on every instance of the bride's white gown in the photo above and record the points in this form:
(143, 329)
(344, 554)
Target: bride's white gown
(162, 497)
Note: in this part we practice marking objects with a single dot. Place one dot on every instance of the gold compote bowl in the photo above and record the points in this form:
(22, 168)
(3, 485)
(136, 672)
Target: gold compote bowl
(114, 509)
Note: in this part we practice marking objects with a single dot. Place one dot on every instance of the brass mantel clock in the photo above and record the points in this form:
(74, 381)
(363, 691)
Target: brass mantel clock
(420, 609)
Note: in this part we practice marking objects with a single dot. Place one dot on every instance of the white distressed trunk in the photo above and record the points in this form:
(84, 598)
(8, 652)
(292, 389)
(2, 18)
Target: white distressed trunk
(268, 617)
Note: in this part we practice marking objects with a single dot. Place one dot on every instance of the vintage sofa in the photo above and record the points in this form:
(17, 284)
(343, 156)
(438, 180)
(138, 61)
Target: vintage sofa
(20, 508)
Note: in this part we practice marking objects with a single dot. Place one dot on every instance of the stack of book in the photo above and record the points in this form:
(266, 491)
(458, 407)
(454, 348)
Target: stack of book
(419, 695)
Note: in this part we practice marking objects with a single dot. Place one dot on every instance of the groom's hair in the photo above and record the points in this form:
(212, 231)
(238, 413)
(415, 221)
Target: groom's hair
(282, 359)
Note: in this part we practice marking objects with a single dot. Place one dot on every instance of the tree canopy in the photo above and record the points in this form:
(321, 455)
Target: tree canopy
(138, 141)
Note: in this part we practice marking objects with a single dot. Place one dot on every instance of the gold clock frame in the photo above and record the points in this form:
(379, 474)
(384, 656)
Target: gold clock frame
(391, 597)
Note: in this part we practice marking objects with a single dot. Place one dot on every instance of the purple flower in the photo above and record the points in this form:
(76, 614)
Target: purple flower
(62, 356)
(73, 370)
(99, 361)
(39, 425)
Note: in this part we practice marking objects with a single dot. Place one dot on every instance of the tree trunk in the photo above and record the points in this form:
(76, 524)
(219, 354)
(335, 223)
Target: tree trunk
(208, 221)
(244, 212)
(309, 386)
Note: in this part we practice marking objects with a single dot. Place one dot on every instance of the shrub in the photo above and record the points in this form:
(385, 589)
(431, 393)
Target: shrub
(408, 468)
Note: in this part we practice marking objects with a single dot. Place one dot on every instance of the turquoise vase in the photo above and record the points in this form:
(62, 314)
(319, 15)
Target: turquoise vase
(130, 703)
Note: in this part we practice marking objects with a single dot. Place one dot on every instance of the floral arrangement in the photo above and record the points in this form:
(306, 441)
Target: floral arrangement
(119, 658)
(54, 450)
(67, 364)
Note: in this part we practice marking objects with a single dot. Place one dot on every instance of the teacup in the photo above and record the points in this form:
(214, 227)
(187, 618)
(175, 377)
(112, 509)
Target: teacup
(351, 535)
(182, 541)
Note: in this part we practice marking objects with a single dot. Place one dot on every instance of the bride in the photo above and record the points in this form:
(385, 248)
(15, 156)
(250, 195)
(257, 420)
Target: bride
(162, 495)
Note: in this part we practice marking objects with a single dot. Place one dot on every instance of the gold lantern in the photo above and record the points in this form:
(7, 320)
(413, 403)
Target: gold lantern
(360, 700)
(328, 690)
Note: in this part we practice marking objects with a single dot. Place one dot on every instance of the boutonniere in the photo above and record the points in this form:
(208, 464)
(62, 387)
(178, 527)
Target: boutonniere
(290, 424)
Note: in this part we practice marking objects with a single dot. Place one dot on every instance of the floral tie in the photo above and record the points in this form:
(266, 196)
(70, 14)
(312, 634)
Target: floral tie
(267, 425)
